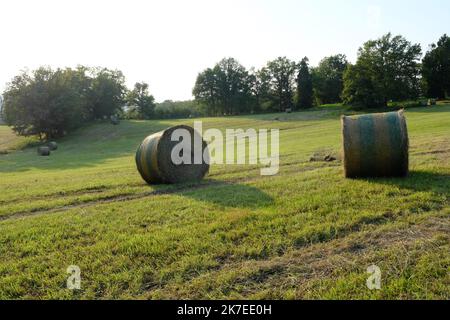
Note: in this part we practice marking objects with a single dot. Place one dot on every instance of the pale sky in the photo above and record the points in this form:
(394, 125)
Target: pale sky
(168, 42)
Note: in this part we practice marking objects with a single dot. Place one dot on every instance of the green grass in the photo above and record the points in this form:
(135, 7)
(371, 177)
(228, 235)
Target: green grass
(304, 233)
(10, 142)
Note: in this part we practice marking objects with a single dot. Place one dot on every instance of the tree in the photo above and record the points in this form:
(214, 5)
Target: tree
(328, 79)
(225, 89)
(260, 89)
(50, 103)
(141, 104)
(436, 69)
(281, 72)
(234, 89)
(106, 93)
(304, 86)
(45, 102)
(206, 91)
(386, 69)
(359, 89)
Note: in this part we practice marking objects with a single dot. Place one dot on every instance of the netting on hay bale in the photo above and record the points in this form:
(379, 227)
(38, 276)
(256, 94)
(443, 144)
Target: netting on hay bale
(375, 145)
(52, 145)
(154, 161)
(43, 151)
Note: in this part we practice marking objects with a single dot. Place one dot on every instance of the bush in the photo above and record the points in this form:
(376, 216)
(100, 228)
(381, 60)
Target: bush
(177, 109)
(407, 104)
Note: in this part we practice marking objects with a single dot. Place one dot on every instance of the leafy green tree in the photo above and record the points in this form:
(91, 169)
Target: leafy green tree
(359, 89)
(45, 102)
(234, 89)
(206, 91)
(106, 93)
(225, 89)
(282, 73)
(261, 90)
(304, 86)
(50, 103)
(386, 69)
(328, 79)
(140, 103)
(436, 69)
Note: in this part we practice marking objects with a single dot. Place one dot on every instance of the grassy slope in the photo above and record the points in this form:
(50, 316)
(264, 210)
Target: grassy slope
(10, 142)
(305, 233)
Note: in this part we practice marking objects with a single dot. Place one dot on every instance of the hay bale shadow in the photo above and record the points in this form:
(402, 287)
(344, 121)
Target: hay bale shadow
(418, 181)
(223, 194)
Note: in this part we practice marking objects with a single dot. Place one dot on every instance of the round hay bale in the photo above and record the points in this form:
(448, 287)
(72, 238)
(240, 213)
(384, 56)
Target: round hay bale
(375, 145)
(154, 158)
(52, 145)
(115, 120)
(43, 151)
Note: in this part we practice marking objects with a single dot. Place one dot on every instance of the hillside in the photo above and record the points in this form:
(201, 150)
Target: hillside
(304, 233)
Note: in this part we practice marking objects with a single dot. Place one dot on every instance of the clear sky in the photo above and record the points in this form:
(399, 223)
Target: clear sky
(167, 42)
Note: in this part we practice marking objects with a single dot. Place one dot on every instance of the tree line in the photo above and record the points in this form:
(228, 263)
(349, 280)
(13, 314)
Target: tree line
(49, 103)
(387, 69)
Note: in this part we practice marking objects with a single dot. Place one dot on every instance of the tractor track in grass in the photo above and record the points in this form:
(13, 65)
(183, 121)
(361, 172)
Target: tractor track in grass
(299, 267)
(153, 193)
(105, 188)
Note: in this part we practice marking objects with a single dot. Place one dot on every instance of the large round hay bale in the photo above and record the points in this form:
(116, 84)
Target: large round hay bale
(52, 145)
(375, 145)
(43, 151)
(154, 158)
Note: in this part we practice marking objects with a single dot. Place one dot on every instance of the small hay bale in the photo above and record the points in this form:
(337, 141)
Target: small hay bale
(114, 120)
(52, 145)
(43, 151)
(154, 161)
(375, 145)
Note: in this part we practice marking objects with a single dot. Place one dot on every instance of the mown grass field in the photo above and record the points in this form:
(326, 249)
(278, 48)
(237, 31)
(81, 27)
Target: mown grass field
(306, 233)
